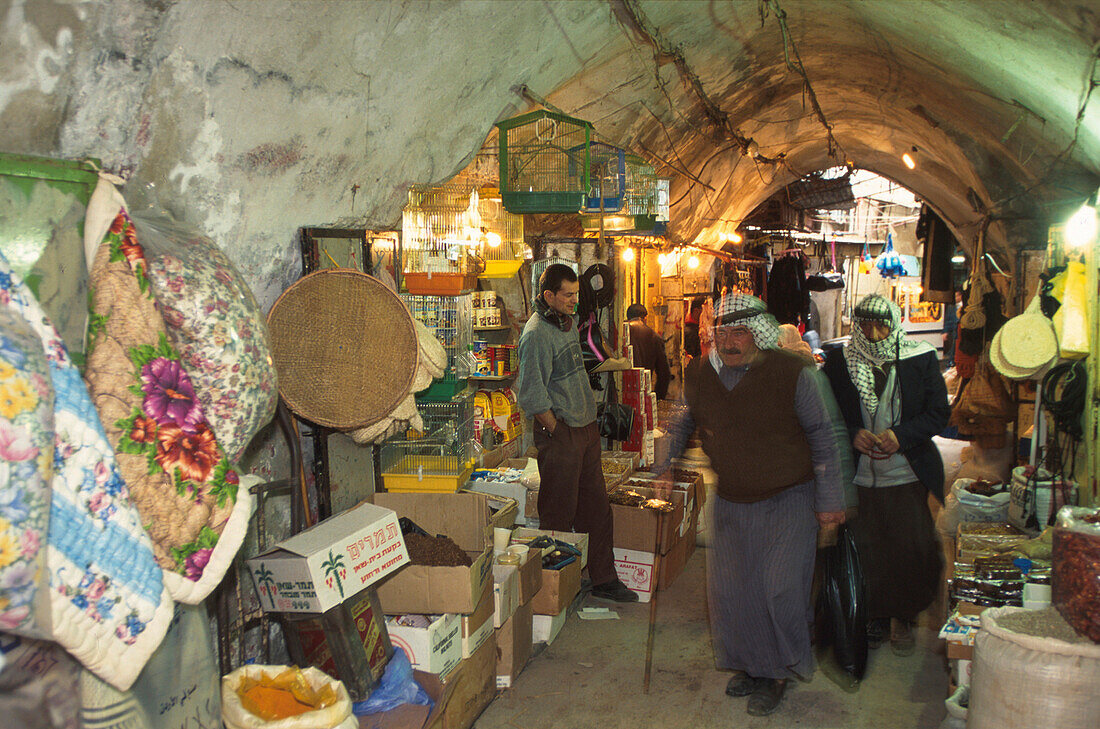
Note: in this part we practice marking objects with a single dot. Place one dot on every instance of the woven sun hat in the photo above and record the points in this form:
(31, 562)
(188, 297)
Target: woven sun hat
(1005, 368)
(345, 348)
(1028, 341)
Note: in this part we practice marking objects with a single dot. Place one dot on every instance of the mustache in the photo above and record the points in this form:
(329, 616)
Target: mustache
(730, 350)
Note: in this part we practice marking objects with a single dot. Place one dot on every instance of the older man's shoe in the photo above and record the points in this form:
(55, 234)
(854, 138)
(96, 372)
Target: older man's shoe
(766, 697)
(614, 590)
(741, 684)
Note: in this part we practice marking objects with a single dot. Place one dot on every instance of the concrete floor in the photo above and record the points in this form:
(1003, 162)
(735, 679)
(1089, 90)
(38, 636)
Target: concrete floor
(592, 676)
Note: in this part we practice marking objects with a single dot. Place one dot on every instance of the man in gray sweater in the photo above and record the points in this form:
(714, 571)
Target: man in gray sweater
(553, 388)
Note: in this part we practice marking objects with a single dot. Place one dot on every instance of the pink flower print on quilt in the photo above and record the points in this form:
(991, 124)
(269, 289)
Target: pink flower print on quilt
(168, 452)
(217, 327)
(109, 605)
(26, 469)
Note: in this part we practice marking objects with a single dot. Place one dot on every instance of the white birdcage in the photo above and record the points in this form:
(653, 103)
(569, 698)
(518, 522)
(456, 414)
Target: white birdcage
(440, 237)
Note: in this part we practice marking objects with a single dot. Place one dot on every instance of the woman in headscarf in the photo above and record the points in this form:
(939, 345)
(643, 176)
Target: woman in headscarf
(893, 400)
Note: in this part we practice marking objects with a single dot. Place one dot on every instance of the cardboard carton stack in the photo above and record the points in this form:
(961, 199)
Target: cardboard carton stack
(637, 391)
(443, 616)
(550, 598)
(516, 588)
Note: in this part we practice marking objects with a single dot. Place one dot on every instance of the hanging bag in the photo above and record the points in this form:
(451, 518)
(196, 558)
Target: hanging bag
(842, 605)
(1071, 321)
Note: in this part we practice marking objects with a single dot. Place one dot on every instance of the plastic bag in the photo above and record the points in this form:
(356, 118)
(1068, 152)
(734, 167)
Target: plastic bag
(842, 605)
(397, 687)
(615, 420)
(889, 263)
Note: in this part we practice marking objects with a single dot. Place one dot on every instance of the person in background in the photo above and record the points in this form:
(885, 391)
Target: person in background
(792, 342)
(765, 424)
(691, 329)
(649, 349)
(553, 387)
(893, 400)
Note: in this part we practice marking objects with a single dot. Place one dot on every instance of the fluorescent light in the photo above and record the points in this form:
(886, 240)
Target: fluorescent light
(909, 161)
(958, 259)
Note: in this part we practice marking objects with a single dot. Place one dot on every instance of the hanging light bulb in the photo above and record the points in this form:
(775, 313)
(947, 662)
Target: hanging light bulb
(722, 237)
(628, 254)
(662, 259)
(1082, 227)
(693, 262)
(736, 237)
(493, 239)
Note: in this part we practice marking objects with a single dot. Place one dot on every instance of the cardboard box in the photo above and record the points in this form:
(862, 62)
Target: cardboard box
(435, 649)
(329, 562)
(459, 698)
(513, 646)
(522, 535)
(958, 650)
(545, 628)
(636, 528)
(530, 577)
(477, 627)
(515, 491)
(559, 587)
(505, 592)
(635, 569)
(436, 590)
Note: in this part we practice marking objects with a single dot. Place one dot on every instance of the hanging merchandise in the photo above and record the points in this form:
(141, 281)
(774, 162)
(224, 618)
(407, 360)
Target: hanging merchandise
(501, 247)
(109, 605)
(866, 263)
(983, 408)
(440, 239)
(1071, 321)
(214, 322)
(1025, 345)
(889, 263)
(937, 278)
(788, 296)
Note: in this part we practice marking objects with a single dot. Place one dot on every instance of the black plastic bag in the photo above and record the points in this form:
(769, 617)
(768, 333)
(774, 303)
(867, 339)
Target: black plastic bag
(842, 605)
(615, 420)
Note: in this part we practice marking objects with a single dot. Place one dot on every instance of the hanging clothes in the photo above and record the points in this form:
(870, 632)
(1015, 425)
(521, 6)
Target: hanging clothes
(788, 295)
(937, 283)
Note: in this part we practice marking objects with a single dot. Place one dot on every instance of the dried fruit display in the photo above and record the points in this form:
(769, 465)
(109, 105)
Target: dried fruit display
(1076, 569)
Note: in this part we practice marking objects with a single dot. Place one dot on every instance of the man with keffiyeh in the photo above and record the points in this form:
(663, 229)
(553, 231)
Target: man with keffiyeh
(893, 400)
(764, 417)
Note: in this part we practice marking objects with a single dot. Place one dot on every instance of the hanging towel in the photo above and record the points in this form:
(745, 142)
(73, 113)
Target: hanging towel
(178, 476)
(110, 608)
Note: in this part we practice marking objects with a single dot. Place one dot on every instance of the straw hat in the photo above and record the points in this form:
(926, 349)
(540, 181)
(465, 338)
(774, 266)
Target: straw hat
(345, 348)
(1028, 341)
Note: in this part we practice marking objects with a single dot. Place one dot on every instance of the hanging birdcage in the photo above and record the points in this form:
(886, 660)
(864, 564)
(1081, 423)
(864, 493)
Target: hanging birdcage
(502, 246)
(544, 163)
(537, 267)
(660, 226)
(439, 232)
(639, 210)
(607, 178)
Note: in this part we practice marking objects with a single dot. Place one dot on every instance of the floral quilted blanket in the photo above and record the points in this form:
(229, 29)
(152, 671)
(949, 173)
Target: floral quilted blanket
(109, 606)
(179, 478)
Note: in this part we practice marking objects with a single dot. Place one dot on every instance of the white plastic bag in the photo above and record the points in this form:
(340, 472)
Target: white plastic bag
(235, 716)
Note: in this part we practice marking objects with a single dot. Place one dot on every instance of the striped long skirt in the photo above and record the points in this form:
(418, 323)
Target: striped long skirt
(760, 571)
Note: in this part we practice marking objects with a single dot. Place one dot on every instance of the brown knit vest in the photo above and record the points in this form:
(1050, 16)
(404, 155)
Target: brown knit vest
(751, 433)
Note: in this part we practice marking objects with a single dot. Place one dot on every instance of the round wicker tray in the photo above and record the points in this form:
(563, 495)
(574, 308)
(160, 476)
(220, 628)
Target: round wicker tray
(344, 346)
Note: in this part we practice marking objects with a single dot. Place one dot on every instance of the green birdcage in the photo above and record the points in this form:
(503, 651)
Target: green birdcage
(544, 162)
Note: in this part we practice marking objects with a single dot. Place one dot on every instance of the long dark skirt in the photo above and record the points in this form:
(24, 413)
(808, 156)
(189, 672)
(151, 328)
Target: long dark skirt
(760, 571)
(898, 550)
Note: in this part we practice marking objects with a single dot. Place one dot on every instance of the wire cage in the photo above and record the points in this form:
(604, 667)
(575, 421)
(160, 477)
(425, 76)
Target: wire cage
(641, 192)
(451, 319)
(439, 461)
(502, 246)
(439, 231)
(544, 162)
(607, 178)
(660, 225)
(537, 267)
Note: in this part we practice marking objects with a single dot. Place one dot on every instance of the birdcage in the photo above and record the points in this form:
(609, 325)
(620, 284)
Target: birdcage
(451, 319)
(544, 164)
(502, 247)
(439, 231)
(438, 461)
(607, 178)
(641, 192)
(537, 267)
(456, 414)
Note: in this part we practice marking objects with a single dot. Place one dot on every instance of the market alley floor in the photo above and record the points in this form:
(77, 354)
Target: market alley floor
(592, 676)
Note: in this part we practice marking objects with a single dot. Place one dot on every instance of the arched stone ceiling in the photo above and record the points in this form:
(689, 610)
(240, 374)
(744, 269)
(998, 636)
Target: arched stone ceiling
(255, 117)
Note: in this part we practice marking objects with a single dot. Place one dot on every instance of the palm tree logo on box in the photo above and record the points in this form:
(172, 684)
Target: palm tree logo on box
(266, 581)
(335, 570)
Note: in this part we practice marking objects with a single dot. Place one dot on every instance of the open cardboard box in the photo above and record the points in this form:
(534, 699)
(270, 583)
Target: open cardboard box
(434, 590)
(636, 528)
(559, 587)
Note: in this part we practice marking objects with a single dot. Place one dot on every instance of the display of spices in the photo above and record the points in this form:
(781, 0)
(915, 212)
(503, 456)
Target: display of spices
(439, 551)
(1075, 583)
(1045, 623)
(282, 696)
(625, 497)
(981, 487)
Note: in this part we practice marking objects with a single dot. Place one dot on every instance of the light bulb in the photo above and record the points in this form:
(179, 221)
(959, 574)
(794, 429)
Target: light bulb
(736, 237)
(1081, 228)
(661, 259)
(722, 237)
(493, 239)
(909, 161)
(693, 262)
(628, 254)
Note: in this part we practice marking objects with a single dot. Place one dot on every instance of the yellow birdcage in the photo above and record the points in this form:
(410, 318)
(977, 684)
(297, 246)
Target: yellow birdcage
(439, 232)
(502, 247)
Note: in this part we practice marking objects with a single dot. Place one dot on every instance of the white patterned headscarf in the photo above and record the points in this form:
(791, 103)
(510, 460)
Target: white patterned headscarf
(862, 355)
(749, 312)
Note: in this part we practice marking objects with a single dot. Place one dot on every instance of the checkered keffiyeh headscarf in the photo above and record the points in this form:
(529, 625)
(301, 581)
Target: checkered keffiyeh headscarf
(862, 355)
(749, 312)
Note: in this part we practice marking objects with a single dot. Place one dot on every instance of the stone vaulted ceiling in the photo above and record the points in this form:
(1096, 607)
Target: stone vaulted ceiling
(253, 118)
